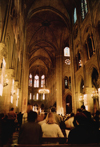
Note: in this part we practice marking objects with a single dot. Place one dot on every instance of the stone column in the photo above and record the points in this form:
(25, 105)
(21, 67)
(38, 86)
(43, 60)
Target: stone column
(59, 83)
(15, 96)
(7, 90)
(3, 54)
(89, 103)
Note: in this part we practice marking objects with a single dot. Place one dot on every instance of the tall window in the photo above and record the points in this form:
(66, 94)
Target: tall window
(66, 82)
(84, 8)
(75, 15)
(67, 55)
(42, 80)
(37, 96)
(36, 81)
(30, 80)
(67, 52)
(79, 60)
(69, 82)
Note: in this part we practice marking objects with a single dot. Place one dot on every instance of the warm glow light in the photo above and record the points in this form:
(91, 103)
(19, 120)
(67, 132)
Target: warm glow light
(43, 96)
(85, 99)
(35, 108)
(44, 91)
(62, 110)
(99, 96)
(11, 99)
(37, 96)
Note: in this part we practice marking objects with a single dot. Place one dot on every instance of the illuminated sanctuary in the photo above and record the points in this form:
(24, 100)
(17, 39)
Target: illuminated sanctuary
(49, 55)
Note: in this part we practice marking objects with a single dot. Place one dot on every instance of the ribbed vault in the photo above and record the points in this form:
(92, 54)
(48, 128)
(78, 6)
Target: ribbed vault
(47, 33)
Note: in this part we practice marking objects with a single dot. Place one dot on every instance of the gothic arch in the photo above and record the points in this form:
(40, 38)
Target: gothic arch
(89, 72)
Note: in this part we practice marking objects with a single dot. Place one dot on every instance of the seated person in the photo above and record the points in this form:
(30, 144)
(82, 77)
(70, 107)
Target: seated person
(50, 128)
(83, 131)
(87, 113)
(69, 122)
(30, 132)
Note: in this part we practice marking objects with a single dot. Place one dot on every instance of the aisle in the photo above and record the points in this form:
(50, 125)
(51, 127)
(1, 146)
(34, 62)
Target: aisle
(15, 137)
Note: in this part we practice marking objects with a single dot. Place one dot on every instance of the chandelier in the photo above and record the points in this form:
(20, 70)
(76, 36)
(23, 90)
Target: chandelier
(44, 90)
(95, 94)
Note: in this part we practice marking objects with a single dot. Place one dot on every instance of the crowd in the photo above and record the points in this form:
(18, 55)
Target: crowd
(79, 128)
(9, 123)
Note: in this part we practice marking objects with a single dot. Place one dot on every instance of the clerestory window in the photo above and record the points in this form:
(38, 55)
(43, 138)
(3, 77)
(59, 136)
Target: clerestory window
(75, 15)
(84, 8)
(36, 81)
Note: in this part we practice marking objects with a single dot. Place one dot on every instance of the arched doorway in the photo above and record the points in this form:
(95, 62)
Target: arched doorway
(68, 104)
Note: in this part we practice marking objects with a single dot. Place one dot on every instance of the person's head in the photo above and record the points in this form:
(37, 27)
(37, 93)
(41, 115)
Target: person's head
(12, 109)
(53, 109)
(72, 114)
(79, 110)
(32, 116)
(80, 118)
(50, 119)
(82, 107)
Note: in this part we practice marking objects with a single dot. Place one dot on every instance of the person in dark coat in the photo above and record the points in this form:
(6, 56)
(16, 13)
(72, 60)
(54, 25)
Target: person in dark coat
(30, 132)
(84, 132)
(87, 113)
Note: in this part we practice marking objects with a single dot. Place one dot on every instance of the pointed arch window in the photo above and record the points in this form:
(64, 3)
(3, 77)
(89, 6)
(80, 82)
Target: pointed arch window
(75, 15)
(67, 52)
(66, 82)
(30, 80)
(79, 60)
(36, 81)
(42, 80)
(84, 8)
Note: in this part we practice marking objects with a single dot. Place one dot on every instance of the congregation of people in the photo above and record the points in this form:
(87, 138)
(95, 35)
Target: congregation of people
(79, 128)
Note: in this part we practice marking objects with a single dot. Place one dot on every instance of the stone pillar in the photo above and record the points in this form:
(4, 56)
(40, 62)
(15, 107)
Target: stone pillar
(15, 95)
(24, 84)
(3, 54)
(59, 83)
(7, 89)
(89, 101)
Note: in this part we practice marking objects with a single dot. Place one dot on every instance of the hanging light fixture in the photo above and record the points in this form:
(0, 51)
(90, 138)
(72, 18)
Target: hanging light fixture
(44, 90)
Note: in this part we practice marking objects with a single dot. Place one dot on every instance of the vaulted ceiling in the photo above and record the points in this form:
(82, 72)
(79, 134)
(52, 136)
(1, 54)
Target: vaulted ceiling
(48, 27)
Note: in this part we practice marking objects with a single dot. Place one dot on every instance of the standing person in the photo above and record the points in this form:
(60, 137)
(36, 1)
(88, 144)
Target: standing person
(30, 132)
(12, 116)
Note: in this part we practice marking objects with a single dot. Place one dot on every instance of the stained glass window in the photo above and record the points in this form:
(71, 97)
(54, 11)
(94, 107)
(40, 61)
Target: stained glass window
(67, 61)
(37, 96)
(75, 15)
(42, 80)
(66, 82)
(30, 80)
(84, 8)
(67, 52)
(36, 81)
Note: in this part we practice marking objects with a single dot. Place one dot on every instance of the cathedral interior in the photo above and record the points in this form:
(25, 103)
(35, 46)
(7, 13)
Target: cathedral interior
(49, 55)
